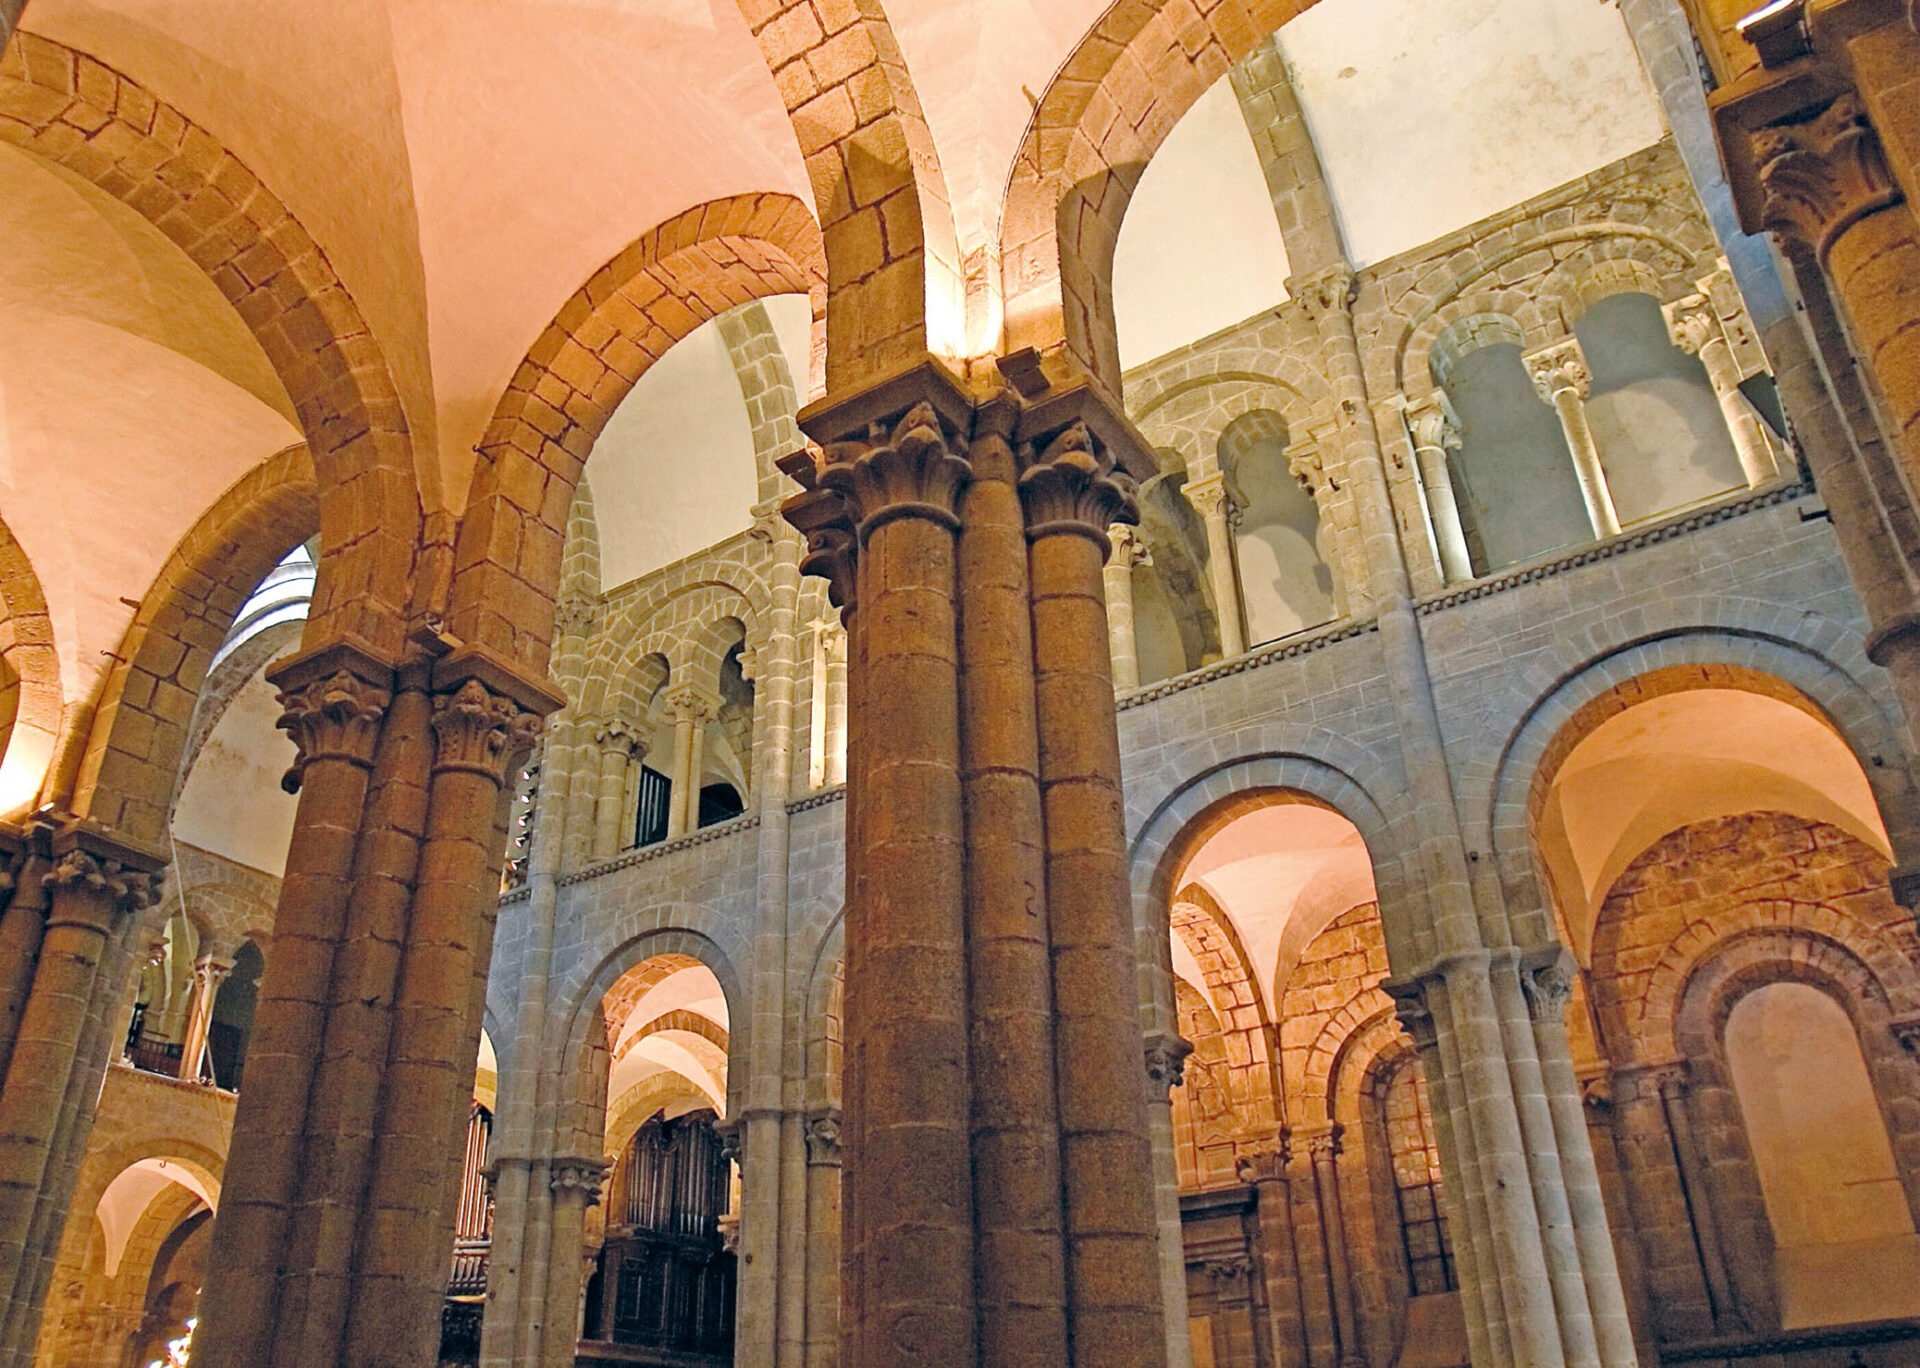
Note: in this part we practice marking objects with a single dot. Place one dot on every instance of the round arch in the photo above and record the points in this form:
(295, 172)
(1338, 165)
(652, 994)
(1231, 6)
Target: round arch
(1794, 671)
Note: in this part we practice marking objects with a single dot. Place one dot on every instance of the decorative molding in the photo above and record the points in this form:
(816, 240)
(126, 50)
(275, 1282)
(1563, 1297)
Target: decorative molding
(1291, 648)
(1559, 368)
(1819, 177)
(332, 699)
(642, 854)
(823, 1136)
(1166, 1057)
(825, 796)
(1616, 546)
(1073, 486)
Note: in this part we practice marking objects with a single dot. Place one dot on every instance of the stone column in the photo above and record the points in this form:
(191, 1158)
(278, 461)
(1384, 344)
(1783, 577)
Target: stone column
(1166, 1057)
(1129, 549)
(823, 1239)
(575, 1183)
(21, 925)
(1822, 185)
(1696, 330)
(880, 514)
(1215, 504)
(691, 708)
(94, 881)
(835, 756)
(335, 699)
(1074, 486)
(959, 925)
(1265, 1171)
(1435, 437)
(486, 713)
(1324, 1149)
(208, 974)
(1547, 982)
(1022, 1269)
(1559, 372)
(621, 747)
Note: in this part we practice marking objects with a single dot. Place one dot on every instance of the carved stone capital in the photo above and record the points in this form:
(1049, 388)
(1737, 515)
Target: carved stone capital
(619, 736)
(577, 1177)
(1324, 1145)
(1230, 1273)
(478, 731)
(1410, 1005)
(907, 466)
(332, 701)
(1166, 1056)
(1324, 292)
(576, 615)
(210, 971)
(1129, 547)
(1212, 500)
(691, 703)
(823, 1136)
(731, 1131)
(87, 859)
(1071, 485)
(1691, 323)
(1267, 1163)
(487, 712)
(1546, 980)
(1819, 177)
(825, 522)
(1559, 368)
(1432, 424)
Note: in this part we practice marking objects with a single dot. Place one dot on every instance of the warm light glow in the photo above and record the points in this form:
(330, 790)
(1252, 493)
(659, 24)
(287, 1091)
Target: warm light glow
(179, 1351)
(29, 752)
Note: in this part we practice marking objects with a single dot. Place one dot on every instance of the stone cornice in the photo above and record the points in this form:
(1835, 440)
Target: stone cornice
(643, 854)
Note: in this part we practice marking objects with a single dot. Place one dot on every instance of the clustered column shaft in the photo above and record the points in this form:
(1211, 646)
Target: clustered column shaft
(331, 1236)
(998, 1202)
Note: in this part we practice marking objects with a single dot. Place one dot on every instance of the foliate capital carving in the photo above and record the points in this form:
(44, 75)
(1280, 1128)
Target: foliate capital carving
(1324, 292)
(1212, 500)
(905, 467)
(1070, 484)
(333, 717)
(691, 703)
(577, 1177)
(1166, 1056)
(1410, 1005)
(1266, 1164)
(1230, 1272)
(1547, 982)
(1692, 323)
(823, 1136)
(620, 736)
(825, 521)
(1433, 425)
(731, 1131)
(210, 972)
(1560, 369)
(1325, 1146)
(479, 731)
(576, 615)
(1820, 177)
(1128, 547)
(128, 886)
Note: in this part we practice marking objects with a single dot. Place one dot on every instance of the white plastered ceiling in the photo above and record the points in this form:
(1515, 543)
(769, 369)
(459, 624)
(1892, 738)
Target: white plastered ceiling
(1281, 873)
(687, 413)
(692, 989)
(133, 396)
(1428, 116)
(466, 164)
(1683, 758)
